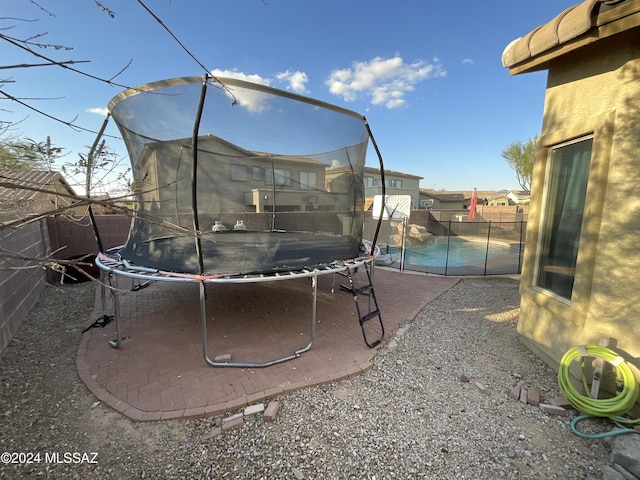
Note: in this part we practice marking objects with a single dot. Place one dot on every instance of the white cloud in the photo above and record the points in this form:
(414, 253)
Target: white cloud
(256, 101)
(468, 61)
(296, 80)
(98, 110)
(254, 78)
(252, 100)
(384, 81)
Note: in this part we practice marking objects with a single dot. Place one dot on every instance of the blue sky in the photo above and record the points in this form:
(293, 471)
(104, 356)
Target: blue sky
(428, 76)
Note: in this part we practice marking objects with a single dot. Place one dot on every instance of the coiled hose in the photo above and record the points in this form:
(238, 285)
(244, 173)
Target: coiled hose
(613, 408)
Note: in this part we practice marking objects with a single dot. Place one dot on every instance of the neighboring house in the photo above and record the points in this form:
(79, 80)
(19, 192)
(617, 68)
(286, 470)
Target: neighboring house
(579, 276)
(448, 200)
(519, 197)
(242, 181)
(441, 200)
(18, 203)
(396, 183)
(508, 198)
(499, 201)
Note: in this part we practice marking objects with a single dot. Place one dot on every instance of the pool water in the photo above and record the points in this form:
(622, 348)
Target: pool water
(461, 253)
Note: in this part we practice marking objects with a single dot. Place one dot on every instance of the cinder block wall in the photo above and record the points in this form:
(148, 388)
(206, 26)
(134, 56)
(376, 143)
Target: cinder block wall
(20, 281)
(21, 287)
(73, 238)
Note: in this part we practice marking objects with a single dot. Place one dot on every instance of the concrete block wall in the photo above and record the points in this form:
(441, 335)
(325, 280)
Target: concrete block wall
(20, 287)
(62, 237)
(71, 238)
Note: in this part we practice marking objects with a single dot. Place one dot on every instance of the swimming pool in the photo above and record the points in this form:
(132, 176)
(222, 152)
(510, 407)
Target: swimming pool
(461, 253)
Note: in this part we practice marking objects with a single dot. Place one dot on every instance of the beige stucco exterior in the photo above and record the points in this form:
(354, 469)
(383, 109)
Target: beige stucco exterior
(593, 88)
(397, 183)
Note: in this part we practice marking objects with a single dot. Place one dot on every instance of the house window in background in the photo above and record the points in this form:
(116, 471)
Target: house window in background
(565, 194)
(280, 175)
(370, 182)
(240, 173)
(393, 183)
(307, 180)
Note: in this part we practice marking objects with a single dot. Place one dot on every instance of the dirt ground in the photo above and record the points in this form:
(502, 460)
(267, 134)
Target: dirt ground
(47, 411)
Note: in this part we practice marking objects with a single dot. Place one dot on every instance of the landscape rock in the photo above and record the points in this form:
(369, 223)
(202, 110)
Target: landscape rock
(625, 451)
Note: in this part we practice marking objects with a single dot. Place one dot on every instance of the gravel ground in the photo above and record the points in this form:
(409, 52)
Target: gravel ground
(410, 417)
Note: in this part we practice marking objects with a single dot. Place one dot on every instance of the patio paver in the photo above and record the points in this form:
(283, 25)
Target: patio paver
(159, 371)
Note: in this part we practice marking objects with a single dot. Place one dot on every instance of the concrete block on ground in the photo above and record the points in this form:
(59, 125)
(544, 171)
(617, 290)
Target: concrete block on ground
(515, 392)
(215, 431)
(533, 397)
(560, 402)
(253, 409)
(271, 411)
(552, 409)
(232, 422)
(524, 394)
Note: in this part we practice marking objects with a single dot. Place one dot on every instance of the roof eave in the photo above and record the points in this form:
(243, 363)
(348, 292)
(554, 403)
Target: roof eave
(623, 18)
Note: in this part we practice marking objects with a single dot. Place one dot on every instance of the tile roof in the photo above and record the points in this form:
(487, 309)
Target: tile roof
(573, 28)
(16, 202)
(29, 178)
(374, 171)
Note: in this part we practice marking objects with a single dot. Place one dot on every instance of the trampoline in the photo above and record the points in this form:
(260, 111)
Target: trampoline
(229, 186)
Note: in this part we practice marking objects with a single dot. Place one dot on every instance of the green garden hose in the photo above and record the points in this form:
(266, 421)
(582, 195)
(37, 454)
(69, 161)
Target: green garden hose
(613, 408)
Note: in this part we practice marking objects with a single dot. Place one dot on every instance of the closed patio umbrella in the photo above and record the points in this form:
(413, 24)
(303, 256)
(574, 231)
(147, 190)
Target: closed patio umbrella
(474, 205)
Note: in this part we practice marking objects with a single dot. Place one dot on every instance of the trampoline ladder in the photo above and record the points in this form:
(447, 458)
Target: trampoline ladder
(373, 311)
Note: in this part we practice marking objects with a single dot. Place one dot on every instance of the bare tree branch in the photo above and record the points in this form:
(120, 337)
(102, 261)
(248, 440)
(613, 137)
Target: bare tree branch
(69, 124)
(29, 65)
(75, 70)
(81, 201)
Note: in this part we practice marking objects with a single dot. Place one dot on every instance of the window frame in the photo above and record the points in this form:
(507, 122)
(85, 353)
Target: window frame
(236, 169)
(281, 177)
(306, 183)
(548, 232)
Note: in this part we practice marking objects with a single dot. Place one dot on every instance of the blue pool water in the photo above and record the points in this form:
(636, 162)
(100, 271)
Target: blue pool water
(461, 253)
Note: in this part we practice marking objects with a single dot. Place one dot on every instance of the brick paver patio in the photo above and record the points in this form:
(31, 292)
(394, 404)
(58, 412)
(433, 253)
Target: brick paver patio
(159, 372)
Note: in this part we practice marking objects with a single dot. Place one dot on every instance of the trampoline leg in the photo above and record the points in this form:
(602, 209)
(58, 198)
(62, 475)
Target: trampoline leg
(103, 292)
(115, 343)
(314, 295)
(295, 354)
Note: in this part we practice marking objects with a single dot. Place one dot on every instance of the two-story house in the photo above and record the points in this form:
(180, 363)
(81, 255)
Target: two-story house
(396, 183)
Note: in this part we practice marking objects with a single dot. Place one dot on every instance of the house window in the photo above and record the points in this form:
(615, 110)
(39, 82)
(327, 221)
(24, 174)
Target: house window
(280, 175)
(307, 180)
(240, 173)
(393, 183)
(370, 182)
(256, 173)
(564, 201)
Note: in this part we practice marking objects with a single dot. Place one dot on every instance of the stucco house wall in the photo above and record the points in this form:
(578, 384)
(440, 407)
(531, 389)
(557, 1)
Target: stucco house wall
(410, 184)
(593, 89)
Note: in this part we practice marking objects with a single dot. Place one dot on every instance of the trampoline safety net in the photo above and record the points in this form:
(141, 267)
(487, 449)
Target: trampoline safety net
(247, 165)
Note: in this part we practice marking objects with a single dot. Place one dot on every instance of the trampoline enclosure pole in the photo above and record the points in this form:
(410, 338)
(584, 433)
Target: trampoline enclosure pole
(375, 146)
(87, 194)
(194, 175)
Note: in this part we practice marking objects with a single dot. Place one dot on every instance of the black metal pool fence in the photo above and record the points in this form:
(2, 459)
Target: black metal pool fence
(492, 247)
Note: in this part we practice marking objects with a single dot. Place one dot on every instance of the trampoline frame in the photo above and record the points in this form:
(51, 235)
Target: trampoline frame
(112, 266)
